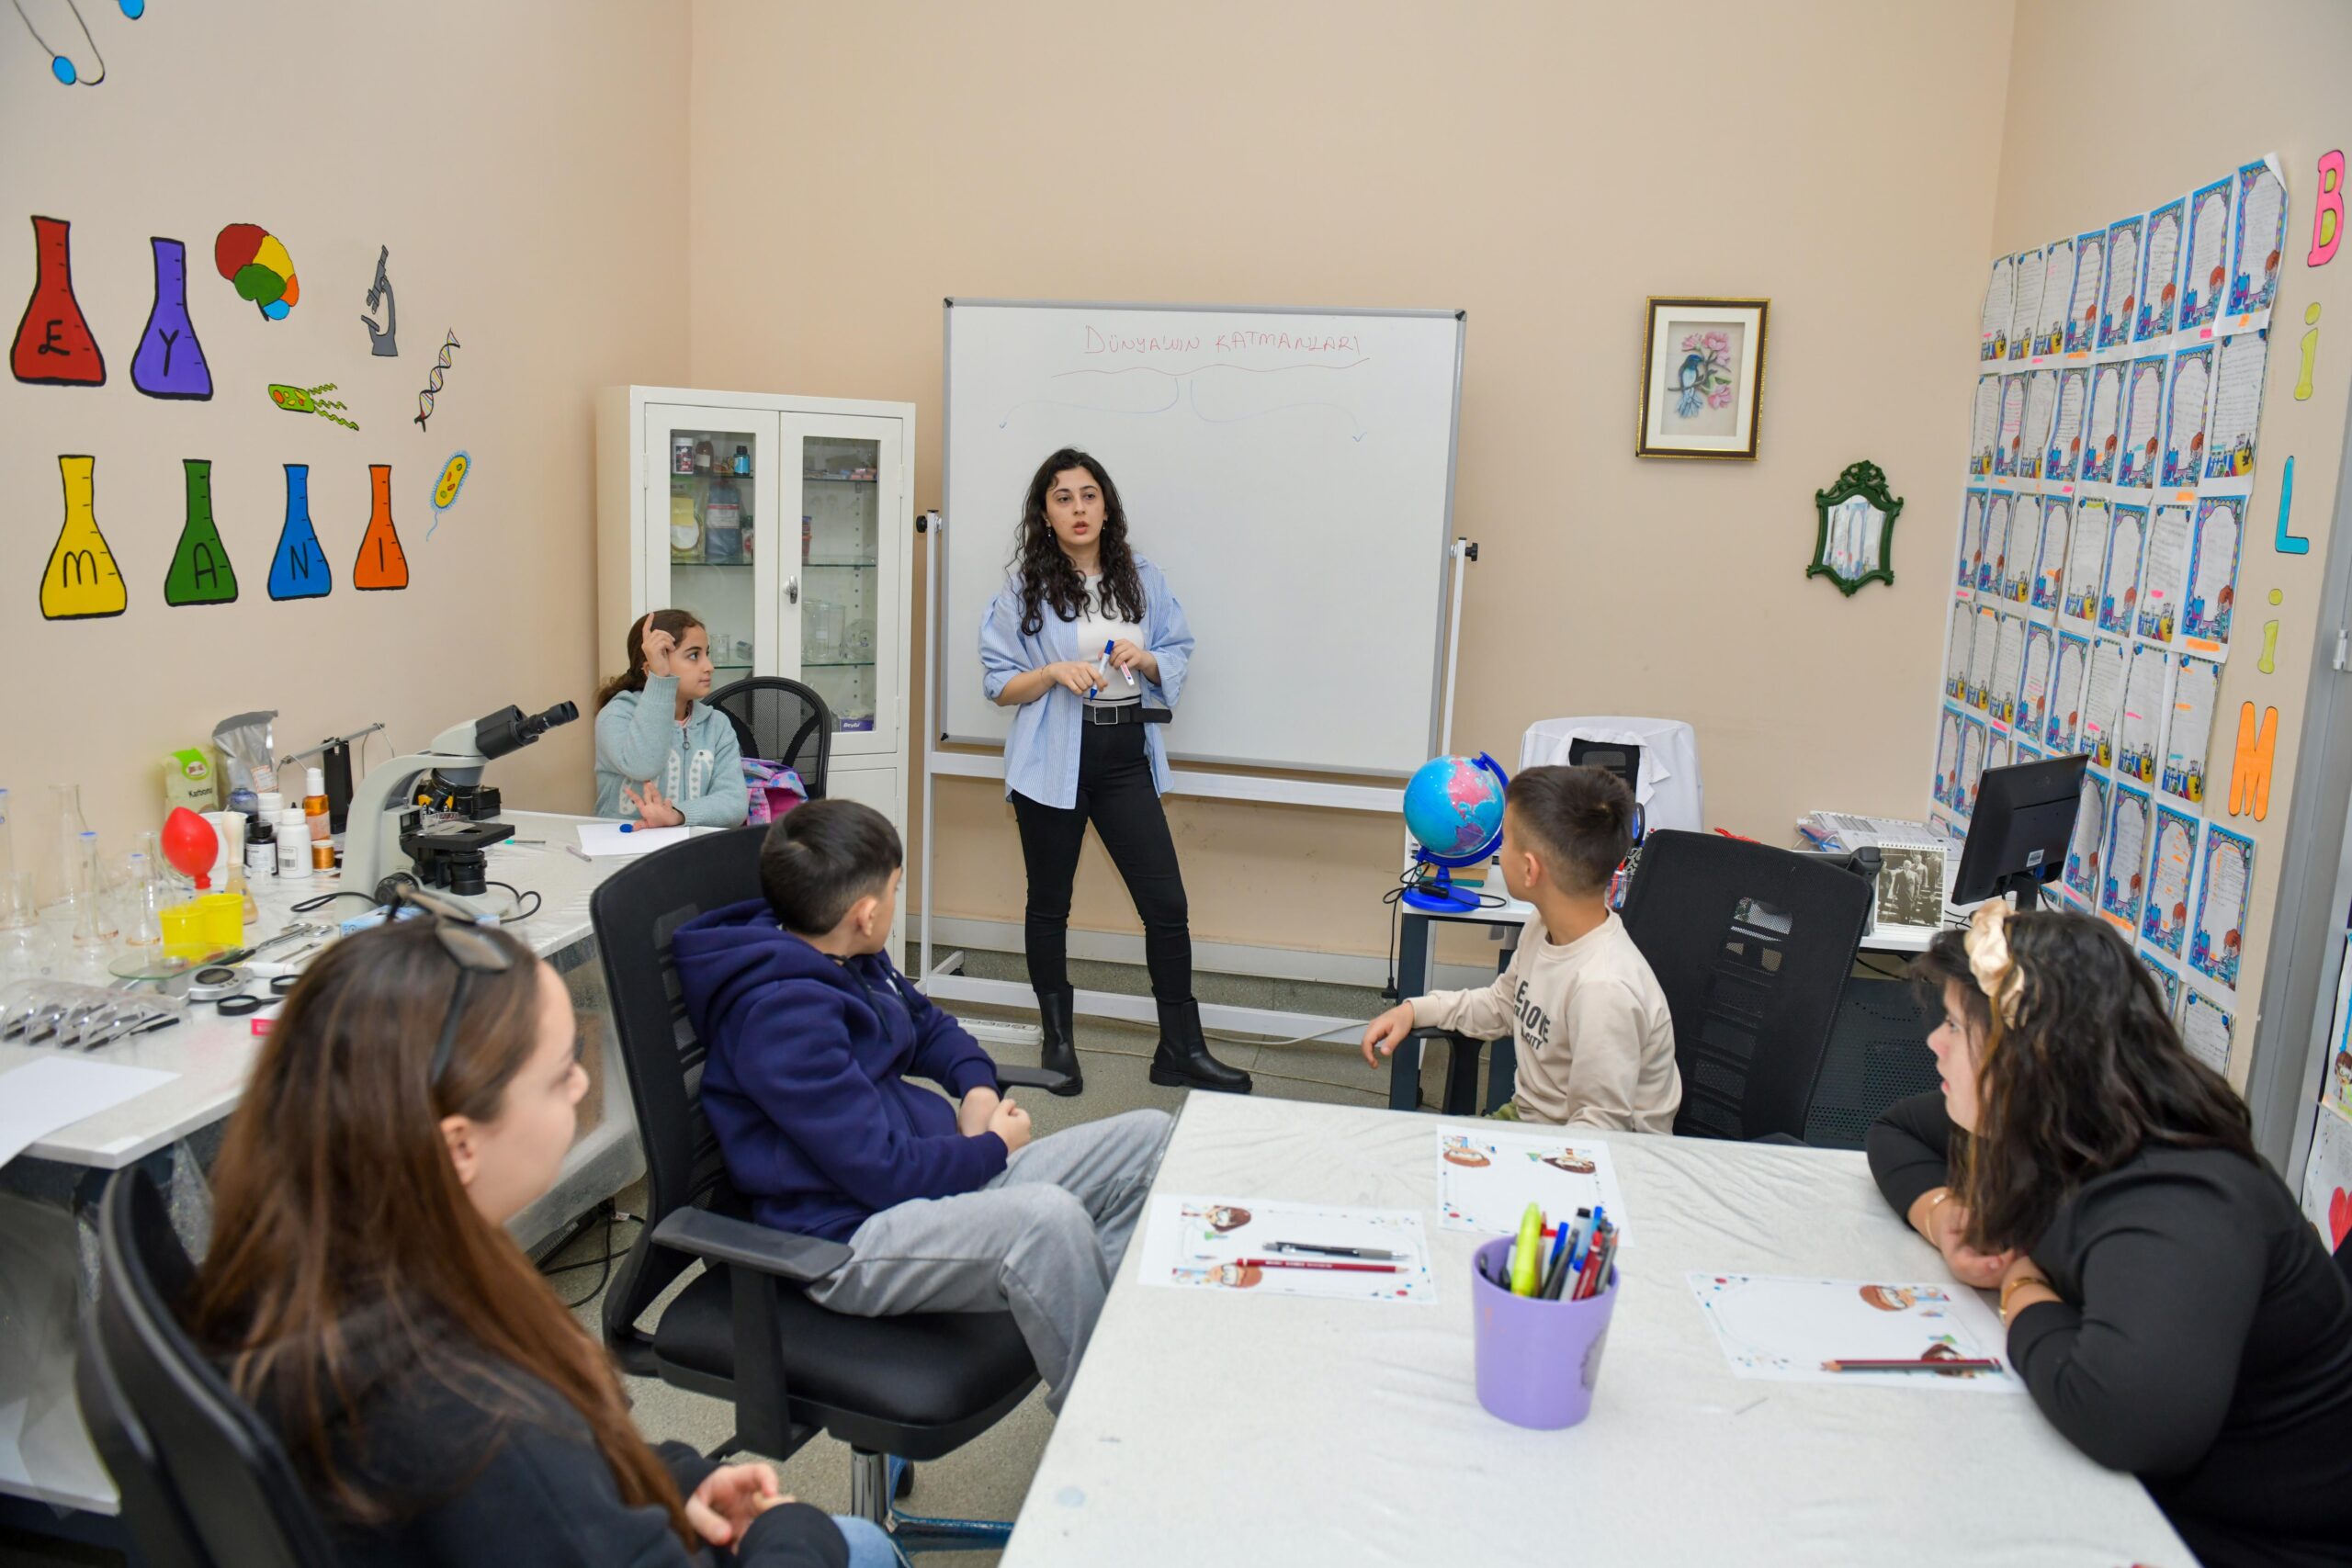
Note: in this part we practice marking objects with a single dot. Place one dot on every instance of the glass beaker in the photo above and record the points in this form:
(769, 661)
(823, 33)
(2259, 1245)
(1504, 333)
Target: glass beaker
(61, 873)
(143, 926)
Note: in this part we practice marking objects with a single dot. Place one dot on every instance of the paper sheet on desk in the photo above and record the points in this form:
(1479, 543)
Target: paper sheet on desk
(39, 1099)
(598, 839)
(1783, 1329)
(1484, 1181)
(1223, 1244)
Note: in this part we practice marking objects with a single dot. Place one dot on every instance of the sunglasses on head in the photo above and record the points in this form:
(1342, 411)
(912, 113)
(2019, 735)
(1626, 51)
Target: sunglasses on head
(472, 949)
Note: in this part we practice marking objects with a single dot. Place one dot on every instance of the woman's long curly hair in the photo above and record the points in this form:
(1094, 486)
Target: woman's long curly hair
(2089, 1072)
(1047, 577)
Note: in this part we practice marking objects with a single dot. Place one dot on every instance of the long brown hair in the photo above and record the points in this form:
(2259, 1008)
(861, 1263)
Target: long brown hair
(335, 1196)
(677, 623)
(1048, 576)
(2089, 1073)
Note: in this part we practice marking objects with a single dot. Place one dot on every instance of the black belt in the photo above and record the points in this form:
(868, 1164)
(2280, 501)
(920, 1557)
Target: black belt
(1127, 712)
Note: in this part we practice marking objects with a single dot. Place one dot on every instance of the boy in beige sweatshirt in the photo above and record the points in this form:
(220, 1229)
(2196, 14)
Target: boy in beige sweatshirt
(1595, 1041)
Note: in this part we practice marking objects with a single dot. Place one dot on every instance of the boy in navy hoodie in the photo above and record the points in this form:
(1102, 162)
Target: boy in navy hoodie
(812, 1035)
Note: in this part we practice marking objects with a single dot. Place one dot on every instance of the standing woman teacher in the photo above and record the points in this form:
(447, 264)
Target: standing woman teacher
(1088, 645)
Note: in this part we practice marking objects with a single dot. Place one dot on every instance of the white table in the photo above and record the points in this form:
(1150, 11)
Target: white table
(47, 1194)
(1211, 1427)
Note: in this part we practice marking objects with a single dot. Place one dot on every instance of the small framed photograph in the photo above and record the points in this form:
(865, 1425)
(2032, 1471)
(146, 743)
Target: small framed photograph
(1702, 377)
(1910, 887)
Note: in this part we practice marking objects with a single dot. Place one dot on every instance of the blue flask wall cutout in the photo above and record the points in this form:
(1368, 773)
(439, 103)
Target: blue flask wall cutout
(299, 570)
(170, 361)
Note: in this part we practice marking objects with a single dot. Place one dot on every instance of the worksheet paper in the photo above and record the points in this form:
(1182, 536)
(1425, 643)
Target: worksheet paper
(2041, 408)
(1225, 1245)
(2196, 692)
(1785, 1329)
(2213, 574)
(2026, 309)
(2224, 889)
(2339, 1067)
(2063, 731)
(1975, 743)
(2009, 666)
(2118, 606)
(1985, 425)
(1983, 651)
(2023, 550)
(1484, 1181)
(1996, 751)
(2237, 406)
(2085, 565)
(2101, 433)
(1947, 744)
(2139, 735)
(2102, 702)
(2160, 279)
(2261, 240)
(1998, 510)
(53, 1093)
(2065, 452)
(2082, 844)
(1972, 541)
(2163, 924)
(2143, 408)
(2204, 278)
(2032, 720)
(2124, 885)
(2205, 1030)
(2049, 314)
(2005, 455)
(1956, 651)
(2184, 416)
(2090, 270)
(2164, 588)
(2118, 301)
(2049, 558)
(2000, 304)
(599, 839)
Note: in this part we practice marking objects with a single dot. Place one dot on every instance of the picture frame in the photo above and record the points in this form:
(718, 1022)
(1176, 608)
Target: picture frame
(1702, 377)
(1855, 542)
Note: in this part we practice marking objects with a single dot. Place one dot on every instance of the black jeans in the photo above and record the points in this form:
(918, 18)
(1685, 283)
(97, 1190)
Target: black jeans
(1115, 792)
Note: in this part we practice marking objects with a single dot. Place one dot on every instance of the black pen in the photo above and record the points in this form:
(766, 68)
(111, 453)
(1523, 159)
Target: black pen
(1368, 1252)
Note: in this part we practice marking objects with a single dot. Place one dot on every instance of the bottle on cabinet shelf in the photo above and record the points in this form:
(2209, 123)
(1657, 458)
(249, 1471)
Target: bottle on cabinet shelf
(743, 462)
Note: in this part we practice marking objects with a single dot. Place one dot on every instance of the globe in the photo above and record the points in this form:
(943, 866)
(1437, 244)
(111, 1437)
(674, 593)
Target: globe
(1453, 807)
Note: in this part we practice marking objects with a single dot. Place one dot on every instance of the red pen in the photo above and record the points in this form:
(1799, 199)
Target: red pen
(1309, 1263)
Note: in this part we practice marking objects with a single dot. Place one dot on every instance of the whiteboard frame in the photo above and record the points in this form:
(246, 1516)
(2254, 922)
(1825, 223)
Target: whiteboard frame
(1439, 653)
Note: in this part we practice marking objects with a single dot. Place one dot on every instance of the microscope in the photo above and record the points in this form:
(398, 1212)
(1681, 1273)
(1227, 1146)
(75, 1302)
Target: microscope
(423, 820)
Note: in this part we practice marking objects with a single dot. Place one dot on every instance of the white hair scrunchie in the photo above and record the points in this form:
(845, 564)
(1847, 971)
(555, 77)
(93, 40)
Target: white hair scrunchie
(1987, 945)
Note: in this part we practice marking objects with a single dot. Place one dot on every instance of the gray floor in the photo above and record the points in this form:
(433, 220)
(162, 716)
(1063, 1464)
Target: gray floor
(988, 1478)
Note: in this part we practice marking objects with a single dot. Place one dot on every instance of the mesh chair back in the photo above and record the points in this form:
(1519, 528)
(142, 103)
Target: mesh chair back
(635, 912)
(1752, 946)
(1878, 1054)
(222, 1470)
(782, 721)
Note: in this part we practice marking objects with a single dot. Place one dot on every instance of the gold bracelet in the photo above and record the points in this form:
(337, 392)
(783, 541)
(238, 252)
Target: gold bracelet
(1927, 1219)
(2010, 1288)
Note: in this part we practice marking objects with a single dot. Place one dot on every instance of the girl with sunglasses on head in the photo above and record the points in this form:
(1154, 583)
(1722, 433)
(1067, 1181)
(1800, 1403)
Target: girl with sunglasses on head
(2169, 1308)
(419, 1092)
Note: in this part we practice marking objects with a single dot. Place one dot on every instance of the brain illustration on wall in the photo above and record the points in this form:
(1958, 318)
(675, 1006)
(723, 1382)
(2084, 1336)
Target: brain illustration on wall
(255, 261)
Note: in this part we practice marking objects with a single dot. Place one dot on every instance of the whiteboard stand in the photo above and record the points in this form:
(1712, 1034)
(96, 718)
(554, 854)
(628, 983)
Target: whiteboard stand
(943, 979)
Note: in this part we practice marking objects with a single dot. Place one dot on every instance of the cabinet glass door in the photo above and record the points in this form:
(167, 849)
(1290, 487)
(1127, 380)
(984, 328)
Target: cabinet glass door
(853, 515)
(710, 498)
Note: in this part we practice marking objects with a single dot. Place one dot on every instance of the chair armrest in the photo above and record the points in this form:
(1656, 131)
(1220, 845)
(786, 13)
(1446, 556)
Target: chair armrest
(1781, 1138)
(715, 1238)
(1028, 1078)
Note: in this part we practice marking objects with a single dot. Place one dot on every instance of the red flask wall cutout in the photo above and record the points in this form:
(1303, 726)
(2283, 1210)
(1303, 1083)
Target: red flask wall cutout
(53, 346)
(380, 564)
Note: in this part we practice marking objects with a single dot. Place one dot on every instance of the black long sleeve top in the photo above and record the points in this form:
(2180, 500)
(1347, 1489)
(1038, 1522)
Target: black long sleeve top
(2202, 1340)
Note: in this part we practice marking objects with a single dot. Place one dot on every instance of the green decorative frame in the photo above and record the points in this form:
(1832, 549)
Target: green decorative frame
(1864, 479)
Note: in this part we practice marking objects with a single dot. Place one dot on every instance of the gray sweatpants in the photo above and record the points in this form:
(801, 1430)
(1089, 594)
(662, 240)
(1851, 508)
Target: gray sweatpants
(1042, 1241)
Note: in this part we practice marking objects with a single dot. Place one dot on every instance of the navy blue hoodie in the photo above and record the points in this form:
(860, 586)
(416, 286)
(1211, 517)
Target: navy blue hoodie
(806, 1081)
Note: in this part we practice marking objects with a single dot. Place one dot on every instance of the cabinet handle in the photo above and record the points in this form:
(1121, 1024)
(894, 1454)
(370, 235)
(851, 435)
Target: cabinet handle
(792, 591)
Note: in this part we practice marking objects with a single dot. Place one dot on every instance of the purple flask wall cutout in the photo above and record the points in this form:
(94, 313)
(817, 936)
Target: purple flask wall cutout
(170, 361)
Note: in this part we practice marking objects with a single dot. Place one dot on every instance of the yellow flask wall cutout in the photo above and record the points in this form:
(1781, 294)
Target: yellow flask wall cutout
(81, 581)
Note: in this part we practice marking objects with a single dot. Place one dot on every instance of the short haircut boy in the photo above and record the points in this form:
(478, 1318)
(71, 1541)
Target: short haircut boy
(1581, 820)
(823, 856)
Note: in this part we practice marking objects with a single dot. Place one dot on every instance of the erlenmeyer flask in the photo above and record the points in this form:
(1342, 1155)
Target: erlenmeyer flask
(91, 926)
(299, 570)
(170, 361)
(53, 346)
(81, 581)
(200, 571)
(381, 563)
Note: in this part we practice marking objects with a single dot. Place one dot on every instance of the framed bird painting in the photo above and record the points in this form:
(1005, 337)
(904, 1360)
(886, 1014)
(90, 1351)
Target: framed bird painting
(1702, 377)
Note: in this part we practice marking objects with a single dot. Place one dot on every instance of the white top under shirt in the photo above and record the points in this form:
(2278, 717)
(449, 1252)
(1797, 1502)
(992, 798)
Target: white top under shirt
(1097, 626)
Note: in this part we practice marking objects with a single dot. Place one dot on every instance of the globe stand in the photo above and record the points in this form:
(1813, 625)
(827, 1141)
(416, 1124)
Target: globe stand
(1437, 895)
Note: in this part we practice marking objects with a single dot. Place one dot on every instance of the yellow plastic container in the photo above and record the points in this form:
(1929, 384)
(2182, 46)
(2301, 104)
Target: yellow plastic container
(183, 934)
(224, 919)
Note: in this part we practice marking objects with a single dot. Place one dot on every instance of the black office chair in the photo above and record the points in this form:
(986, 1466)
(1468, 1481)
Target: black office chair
(205, 1483)
(1752, 946)
(2343, 1256)
(915, 1387)
(781, 721)
(1878, 1054)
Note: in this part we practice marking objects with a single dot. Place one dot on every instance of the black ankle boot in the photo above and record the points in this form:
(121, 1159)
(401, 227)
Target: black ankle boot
(1183, 1061)
(1059, 1052)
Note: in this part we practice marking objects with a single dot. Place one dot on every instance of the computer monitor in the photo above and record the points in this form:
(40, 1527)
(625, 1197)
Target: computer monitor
(2018, 835)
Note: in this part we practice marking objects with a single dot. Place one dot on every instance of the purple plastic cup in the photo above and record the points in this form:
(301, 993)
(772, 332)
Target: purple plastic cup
(1537, 1359)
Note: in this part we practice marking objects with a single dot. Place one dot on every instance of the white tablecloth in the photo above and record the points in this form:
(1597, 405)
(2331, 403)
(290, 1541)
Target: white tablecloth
(1226, 1428)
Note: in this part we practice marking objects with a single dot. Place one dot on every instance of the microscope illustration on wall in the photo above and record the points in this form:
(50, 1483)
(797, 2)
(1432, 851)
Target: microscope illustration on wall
(1856, 541)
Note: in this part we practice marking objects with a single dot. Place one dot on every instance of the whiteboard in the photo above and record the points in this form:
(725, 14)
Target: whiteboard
(1291, 472)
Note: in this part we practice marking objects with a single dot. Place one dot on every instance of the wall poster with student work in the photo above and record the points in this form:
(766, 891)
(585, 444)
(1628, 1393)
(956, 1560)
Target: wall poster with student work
(2114, 438)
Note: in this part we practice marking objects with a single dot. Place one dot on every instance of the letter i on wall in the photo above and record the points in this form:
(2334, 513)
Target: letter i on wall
(381, 565)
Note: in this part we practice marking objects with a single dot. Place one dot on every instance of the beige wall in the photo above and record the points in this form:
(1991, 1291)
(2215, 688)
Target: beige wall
(526, 161)
(2066, 166)
(1544, 166)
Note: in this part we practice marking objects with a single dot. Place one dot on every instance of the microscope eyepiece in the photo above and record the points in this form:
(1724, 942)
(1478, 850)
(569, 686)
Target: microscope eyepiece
(511, 730)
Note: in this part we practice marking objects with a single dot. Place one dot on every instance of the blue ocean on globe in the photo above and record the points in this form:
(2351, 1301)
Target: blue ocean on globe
(1452, 806)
